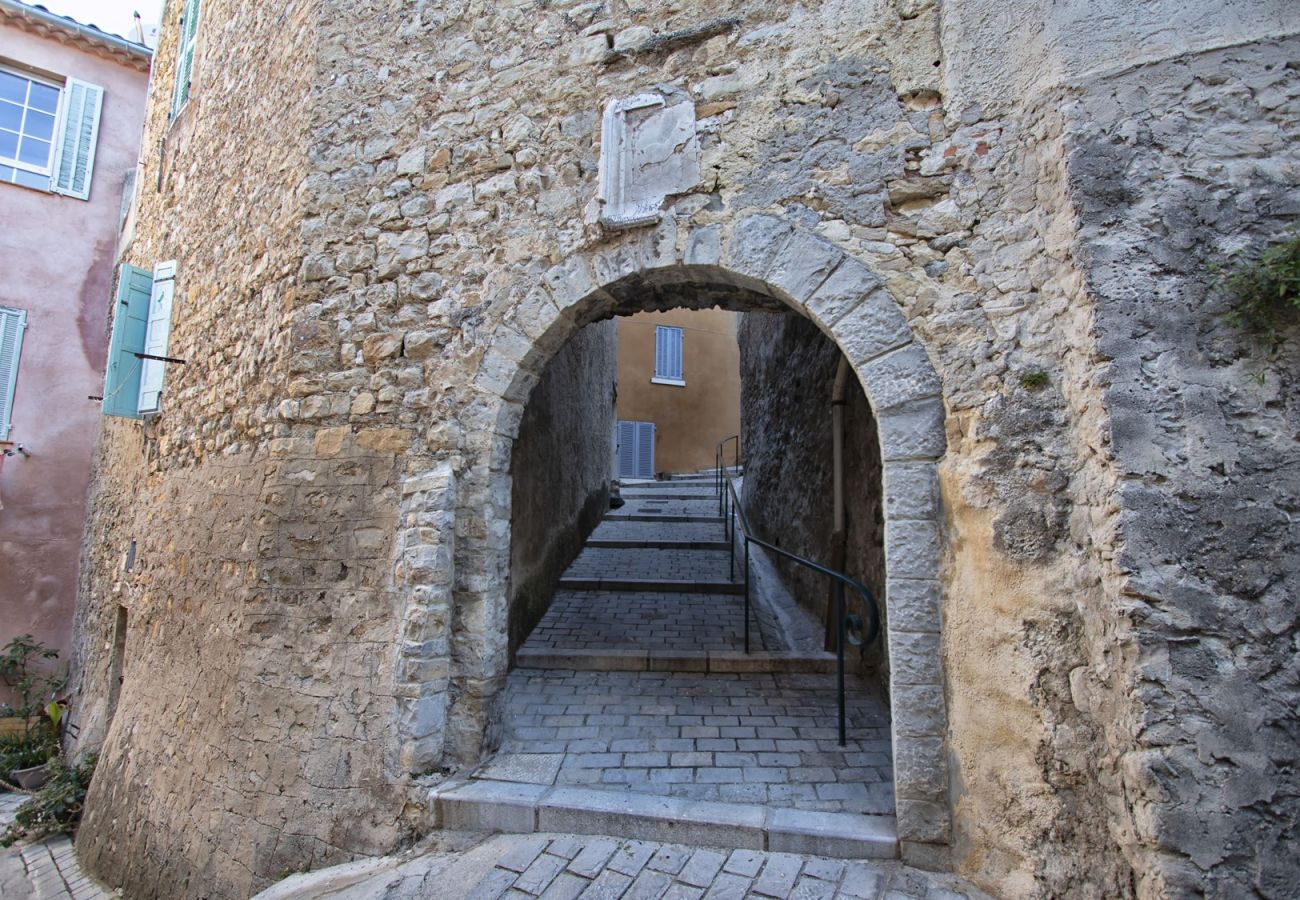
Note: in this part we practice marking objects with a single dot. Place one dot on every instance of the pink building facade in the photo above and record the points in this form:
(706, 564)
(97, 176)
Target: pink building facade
(72, 103)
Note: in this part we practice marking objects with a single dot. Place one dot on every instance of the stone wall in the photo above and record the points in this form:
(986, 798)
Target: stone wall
(1202, 152)
(788, 374)
(375, 274)
(562, 462)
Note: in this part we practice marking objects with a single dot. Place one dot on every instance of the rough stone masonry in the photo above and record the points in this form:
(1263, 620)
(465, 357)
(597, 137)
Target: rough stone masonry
(388, 215)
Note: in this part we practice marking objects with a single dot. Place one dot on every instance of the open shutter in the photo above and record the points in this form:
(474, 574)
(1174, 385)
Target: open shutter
(645, 449)
(74, 154)
(185, 55)
(157, 331)
(13, 322)
(130, 321)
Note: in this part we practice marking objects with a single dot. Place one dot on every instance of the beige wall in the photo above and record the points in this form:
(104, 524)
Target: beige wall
(690, 420)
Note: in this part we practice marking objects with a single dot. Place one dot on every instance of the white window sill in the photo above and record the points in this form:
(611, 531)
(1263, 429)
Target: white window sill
(675, 382)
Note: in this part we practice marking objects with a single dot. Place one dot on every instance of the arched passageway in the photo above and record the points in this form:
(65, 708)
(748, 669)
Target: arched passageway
(760, 263)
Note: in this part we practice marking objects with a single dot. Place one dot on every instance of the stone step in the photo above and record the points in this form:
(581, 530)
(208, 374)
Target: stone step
(628, 544)
(651, 585)
(667, 495)
(729, 661)
(642, 517)
(519, 807)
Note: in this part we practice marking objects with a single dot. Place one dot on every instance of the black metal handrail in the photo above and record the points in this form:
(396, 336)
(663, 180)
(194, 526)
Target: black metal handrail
(846, 624)
(719, 470)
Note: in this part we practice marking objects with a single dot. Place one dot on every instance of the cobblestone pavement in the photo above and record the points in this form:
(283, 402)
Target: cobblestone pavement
(569, 867)
(769, 739)
(643, 620)
(614, 530)
(667, 506)
(752, 738)
(41, 870)
(648, 562)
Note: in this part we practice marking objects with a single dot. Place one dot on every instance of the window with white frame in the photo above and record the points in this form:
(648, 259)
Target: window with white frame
(668, 355)
(185, 55)
(48, 132)
(29, 111)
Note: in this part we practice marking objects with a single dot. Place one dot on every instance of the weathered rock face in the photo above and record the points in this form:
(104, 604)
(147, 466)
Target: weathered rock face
(1202, 152)
(561, 467)
(1084, 592)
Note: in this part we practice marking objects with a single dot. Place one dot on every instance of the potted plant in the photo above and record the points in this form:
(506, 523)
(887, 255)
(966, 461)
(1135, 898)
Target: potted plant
(31, 728)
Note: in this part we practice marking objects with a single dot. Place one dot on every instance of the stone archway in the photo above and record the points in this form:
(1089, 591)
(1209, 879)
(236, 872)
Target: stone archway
(760, 256)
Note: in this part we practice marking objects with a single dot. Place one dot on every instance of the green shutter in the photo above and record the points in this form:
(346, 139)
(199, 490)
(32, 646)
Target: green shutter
(12, 324)
(74, 153)
(130, 321)
(185, 55)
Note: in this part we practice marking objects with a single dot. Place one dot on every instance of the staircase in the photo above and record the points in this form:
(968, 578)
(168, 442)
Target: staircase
(634, 709)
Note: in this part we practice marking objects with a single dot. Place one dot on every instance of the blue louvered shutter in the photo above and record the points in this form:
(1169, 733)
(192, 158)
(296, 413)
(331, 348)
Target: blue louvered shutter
(185, 55)
(13, 322)
(74, 152)
(668, 352)
(157, 331)
(130, 322)
(627, 450)
(645, 449)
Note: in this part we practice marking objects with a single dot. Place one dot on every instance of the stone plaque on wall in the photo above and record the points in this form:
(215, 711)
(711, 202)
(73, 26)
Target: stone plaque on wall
(648, 151)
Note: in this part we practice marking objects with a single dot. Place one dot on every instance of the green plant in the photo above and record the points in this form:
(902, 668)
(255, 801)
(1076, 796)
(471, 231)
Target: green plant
(1264, 289)
(21, 670)
(55, 808)
(1034, 380)
(25, 751)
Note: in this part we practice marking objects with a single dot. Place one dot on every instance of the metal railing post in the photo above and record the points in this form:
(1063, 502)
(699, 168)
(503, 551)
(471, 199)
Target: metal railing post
(734, 511)
(839, 653)
(746, 593)
(729, 529)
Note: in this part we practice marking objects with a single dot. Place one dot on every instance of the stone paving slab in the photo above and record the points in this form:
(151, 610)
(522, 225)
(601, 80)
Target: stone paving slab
(599, 867)
(658, 530)
(43, 870)
(643, 620)
(760, 738)
(651, 563)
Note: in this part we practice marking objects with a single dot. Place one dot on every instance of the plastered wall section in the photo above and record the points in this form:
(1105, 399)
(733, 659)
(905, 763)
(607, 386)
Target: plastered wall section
(58, 254)
(689, 419)
(788, 377)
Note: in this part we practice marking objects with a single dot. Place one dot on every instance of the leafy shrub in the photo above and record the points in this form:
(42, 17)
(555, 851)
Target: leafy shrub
(34, 683)
(1265, 290)
(25, 751)
(55, 808)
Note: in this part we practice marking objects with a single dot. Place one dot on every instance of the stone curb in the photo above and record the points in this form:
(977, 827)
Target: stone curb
(517, 808)
(614, 544)
(717, 661)
(651, 585)
(708, 520)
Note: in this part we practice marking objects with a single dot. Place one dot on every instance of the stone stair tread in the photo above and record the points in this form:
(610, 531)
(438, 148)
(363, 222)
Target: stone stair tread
(650, 517)
(652, 585)
(728, 661)
(523, 808)
(652, 544)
